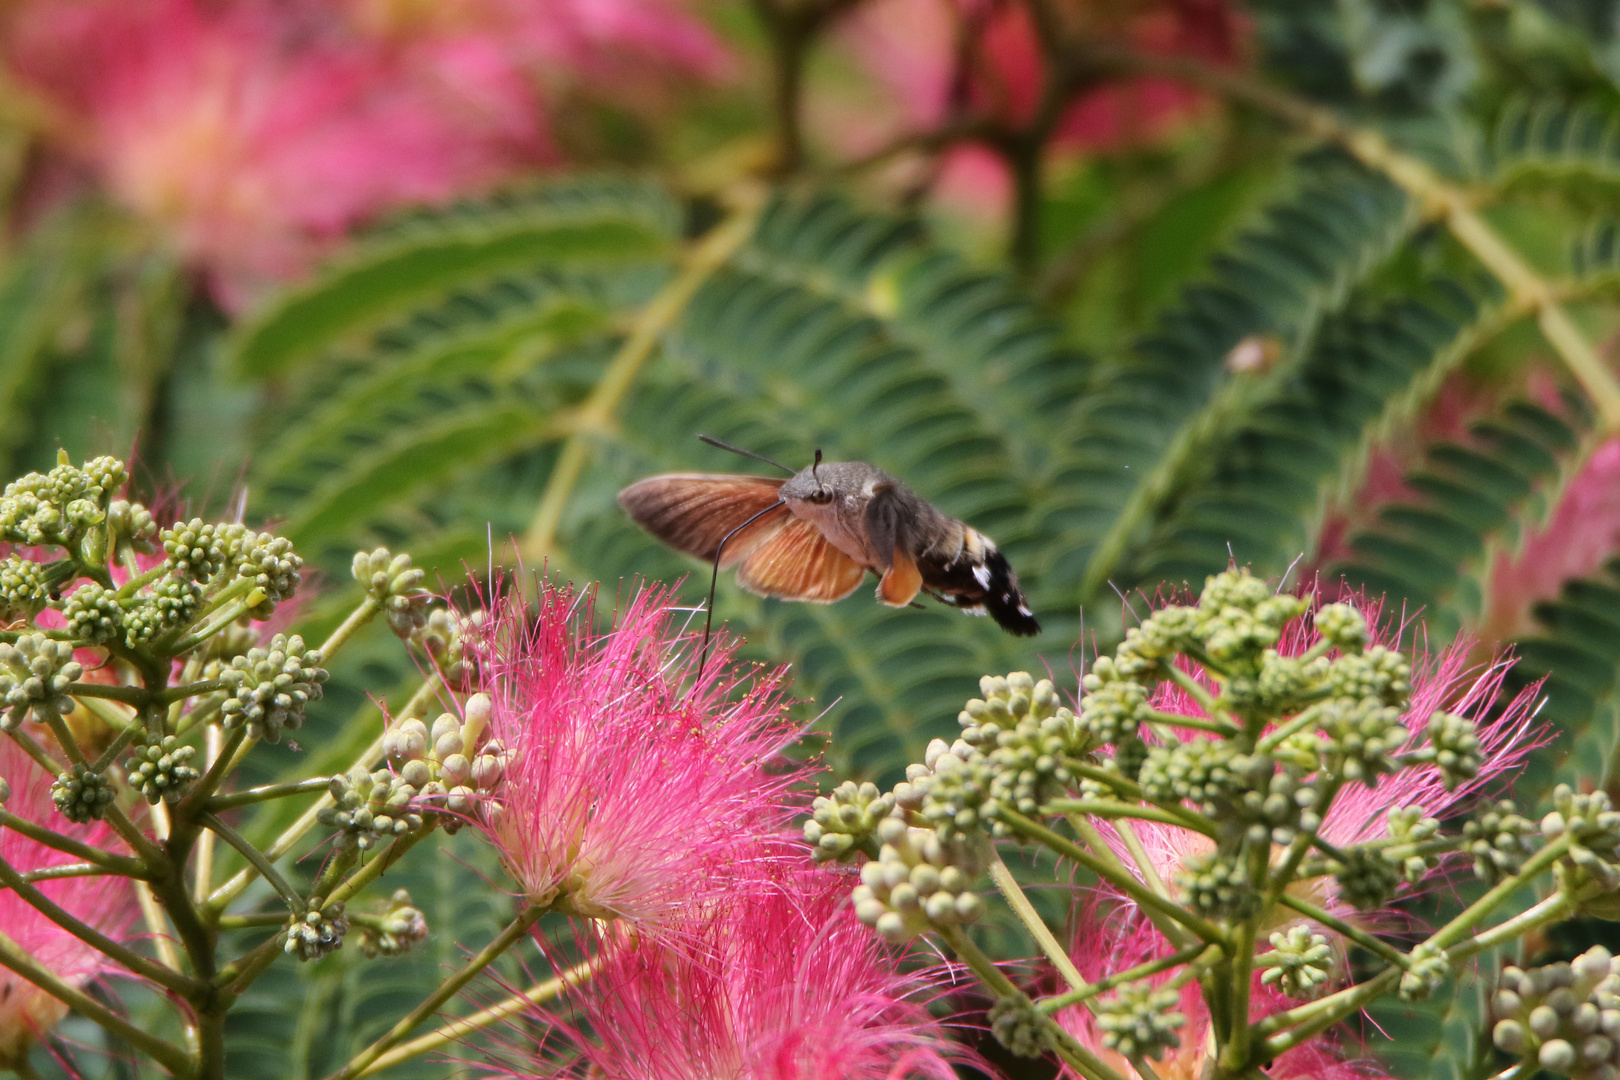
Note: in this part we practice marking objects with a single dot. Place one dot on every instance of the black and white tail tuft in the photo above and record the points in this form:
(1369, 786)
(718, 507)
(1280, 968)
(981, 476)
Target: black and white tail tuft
(1003, 599)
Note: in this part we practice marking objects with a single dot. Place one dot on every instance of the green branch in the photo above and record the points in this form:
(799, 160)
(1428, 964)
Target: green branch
(513, 933)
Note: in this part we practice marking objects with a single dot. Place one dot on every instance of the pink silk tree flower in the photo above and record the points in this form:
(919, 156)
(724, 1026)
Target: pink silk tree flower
(106, 903)
(945, 60)
(774, 980)
(1106, 943)
(254, 134)
(1581, 534)
(1359, 814)
(630, 779)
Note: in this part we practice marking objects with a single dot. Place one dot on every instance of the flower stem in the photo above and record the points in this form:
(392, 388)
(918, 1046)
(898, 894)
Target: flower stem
(1003, 877)
(379, 865)
(255, 859)
(140, 965)
(1103, 809)
(358, 618)
(1140, 971)
(1308, 1021)
(460, 1028)
(1123, 881)
(513, 933)
(222, 896)
(1349, 930)
(266, 792)
(129, 695)
(113, 864)
(164, 1053)
(1175, 934)
(1458, 928)
(1078, 1056)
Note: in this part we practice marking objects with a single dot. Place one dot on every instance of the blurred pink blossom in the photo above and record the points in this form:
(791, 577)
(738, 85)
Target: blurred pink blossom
(256, 133)
(945, 60)
(776, 980)
(105, 902)
(632, 781)
(1583, 532)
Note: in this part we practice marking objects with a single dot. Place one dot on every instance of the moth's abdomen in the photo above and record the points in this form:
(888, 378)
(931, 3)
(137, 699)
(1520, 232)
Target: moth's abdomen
(978, 579)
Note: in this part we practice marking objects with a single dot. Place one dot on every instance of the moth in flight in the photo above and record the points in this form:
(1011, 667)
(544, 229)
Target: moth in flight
(814, 536)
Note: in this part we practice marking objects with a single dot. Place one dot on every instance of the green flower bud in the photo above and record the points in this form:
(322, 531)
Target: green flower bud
(1368, 878)
(1427, 970)
(318, 932)
(93, 615)
(846, 820)
(24, 588)
(1455, 747)
(1343, 627)
(394, 930)
(272, 687)
(1140, 1021)
(1218, 886)
(1378, 673)
(161, 769)
(35, 672)
(1303, 964)
(82, 795)
(1019, 1027)
(397, 586)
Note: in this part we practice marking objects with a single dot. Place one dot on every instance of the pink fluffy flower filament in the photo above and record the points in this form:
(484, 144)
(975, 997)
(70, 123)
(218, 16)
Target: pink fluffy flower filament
(775, 980)
(629, 779)
(105, 902)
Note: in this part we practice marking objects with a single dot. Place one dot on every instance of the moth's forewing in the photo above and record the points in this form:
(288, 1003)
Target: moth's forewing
(693, 512)
(796, 562)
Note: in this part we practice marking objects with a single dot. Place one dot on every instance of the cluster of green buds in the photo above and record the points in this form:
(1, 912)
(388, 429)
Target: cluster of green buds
(847, 819)
(1141, 1020)
(396, 586)
(1017, 1026)
(262, 566)
(35, 673)
(317, 932)
(1564, 1018)
(1199, 723)
(448, 767)
(271, 687)
(1301, 963)
(82, 794)
(394, 929)
(918, 880)
(161, 769)
(442, 637)
(63, 507)
(370, 806)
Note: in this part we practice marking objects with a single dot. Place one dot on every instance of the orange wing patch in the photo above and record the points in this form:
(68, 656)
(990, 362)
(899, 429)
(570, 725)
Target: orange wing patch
(693, 512)
(901, 581)
(795, 562)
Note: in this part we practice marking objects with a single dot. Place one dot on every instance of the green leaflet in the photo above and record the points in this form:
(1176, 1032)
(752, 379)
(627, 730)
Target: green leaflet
(1144, 430)
(1266, 476)
(420, 260)
(1434, 553)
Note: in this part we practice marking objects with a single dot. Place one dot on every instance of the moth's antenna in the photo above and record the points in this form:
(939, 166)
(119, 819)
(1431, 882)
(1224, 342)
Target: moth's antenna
(714, 577)
(814, 467)
(712, 441)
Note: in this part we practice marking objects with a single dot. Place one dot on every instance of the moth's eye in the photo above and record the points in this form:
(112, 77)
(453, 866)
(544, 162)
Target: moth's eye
(821, 495)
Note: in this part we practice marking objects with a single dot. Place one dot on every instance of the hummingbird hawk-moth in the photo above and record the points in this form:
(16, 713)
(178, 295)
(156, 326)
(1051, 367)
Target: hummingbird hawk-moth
(814, 537)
